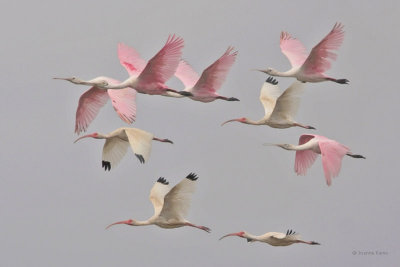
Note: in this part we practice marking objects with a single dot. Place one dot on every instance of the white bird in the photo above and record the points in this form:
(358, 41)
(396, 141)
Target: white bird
(279, 111)
(204, 88)
(170, 205)
(310, 67)
(118, 141)
(274, 238)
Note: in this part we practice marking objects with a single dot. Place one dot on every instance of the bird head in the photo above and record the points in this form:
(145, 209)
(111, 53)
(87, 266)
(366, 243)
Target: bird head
(127, 222)
(71, 79)
(93, 135)
(242, 120)
(239, 234)
(284, 146)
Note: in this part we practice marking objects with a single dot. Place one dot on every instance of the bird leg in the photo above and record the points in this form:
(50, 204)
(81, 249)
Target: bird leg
(304, 126)
(308, 242)
(204, 228)
(341, 81)
(163, 140)
(355, 155)
(228, 98)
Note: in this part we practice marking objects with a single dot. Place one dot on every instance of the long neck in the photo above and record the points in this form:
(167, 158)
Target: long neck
(306, 146)
(251, 238)
(252, 122)
(289, 73)
(130, 82)
(140, 223)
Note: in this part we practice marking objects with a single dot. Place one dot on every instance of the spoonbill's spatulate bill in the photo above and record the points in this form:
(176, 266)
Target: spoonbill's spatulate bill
(170, 205)
(279, 109)
(310, 67)
(273, 238)
(118, 141)
(310, 145)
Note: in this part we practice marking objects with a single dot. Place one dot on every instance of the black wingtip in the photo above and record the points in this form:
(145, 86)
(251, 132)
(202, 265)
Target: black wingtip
(192, 176)
(106, 165)
(271, 81)
(140, 157)
(162, 180)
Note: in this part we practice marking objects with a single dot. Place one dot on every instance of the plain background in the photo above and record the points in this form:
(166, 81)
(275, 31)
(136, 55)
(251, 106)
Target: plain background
(55, 199)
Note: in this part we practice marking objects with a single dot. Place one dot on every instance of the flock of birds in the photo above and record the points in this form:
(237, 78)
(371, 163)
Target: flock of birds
(172, 204)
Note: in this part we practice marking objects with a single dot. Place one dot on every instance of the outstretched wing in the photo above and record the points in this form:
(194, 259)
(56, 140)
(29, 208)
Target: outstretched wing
(89, 106)
(177, 201)
(304, 158)
(114, 150)
(124, 102)
(318, 60)
(268, 95)
(212, 78)
(163, 65)
(157, 194)
(130, 59)
(288, 103)
(293, 49)
(332, 154)
(186, 74)
(140, 142)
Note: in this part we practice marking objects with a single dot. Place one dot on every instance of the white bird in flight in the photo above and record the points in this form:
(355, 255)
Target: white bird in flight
(279, 109)
(118, 141)
(273, 238)
(170, 205)
(310, 145)
(310, 67)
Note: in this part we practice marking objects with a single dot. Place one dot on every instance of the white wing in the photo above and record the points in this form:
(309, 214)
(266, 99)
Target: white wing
(140, 143)
(288, 103)
(157, 194)
(177, 201)
(114, 150)
(290, 235)
(268, 95)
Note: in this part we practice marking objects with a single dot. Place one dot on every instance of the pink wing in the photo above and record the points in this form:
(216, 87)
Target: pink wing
(293, 49)
(318, 60)
(212, 78)
(124, 103)
(304, 158)
(186, 74)
(332, 153)
(130, 59)
(163, 65)
(89, 105)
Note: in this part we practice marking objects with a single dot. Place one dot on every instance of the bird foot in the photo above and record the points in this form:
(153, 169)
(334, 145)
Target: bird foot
(342, 81)
(233, 99)
(185, 93)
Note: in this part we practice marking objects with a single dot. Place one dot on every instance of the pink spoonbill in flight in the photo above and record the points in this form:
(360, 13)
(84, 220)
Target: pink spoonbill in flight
(118, 141)
(310, 67)
(170, 205)
(310, 145)
(273, 238)
(279, 111)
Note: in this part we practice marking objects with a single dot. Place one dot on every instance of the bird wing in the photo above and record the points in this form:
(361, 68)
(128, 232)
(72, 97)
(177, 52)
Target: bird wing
(114, 150)
(293, 49)
(130, 59)
(288, 102)
(157, 194)
(140, 142)
(89, 106)
(124, 103)
(318, 60)
(186, 74)
(290, 235)
(212, 77)
(177, 201)
(268, 95)
(304, 158)
(332, 153)
(163, 65)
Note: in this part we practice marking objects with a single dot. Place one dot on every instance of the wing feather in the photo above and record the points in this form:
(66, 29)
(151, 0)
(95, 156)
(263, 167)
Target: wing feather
(288, 102)
(304, 158)
(293, 49)
(124, 103)
(140, 142)
(157, 194)
(186, 74)
(130, 59)
(114, 150)
(268, 95)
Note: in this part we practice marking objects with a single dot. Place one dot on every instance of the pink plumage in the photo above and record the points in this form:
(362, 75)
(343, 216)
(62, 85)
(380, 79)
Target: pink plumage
(130, 59)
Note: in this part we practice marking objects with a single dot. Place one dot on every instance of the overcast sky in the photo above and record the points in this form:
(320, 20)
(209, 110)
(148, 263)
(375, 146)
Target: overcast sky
(55, 199)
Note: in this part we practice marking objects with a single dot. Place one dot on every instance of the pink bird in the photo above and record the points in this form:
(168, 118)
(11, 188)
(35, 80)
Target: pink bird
(157, 71)
(90, 102)
(170, 205)
(204, 88)
(273, 238)
(310, 145)
(118, 141)
(310, 67)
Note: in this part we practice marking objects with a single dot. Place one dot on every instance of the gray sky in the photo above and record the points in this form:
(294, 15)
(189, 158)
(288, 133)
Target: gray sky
(55, 199)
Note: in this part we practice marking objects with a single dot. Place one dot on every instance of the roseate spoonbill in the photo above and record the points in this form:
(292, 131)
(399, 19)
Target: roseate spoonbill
(157, 71)
(310, 145)
(170, 205)
(204, 88)
(117, 143)
(274, 238)
(310, 68)
(90, 102)
(279, 111)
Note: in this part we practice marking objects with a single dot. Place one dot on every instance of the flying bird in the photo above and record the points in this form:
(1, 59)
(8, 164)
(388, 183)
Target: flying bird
(274, 238)
(170, 205)
(118, 141)
(310, 145)
(310, 67)
(279, 109)
(90, 102)
(204, 88)
(151, 79)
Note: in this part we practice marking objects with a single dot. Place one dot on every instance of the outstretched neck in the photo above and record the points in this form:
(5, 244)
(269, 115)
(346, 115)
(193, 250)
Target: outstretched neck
(139, 223)
(130, 82)
(251, 238)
